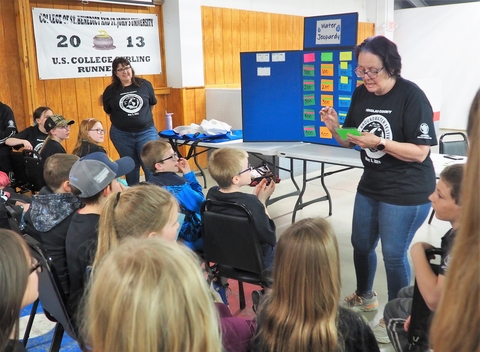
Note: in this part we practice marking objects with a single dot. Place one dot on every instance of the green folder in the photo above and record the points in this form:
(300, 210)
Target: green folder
(344, 131)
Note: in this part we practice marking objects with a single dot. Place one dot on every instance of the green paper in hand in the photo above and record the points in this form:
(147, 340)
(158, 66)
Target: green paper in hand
(344, 131)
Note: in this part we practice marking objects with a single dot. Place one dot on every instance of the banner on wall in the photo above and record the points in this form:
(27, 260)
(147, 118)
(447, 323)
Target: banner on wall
(81, 44)
(125, 2)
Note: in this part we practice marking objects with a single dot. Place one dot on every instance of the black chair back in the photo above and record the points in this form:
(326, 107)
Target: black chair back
(34, 170)
(19, 172)
(51, 296)
(229, 239)
(456, 146)
(421, 315)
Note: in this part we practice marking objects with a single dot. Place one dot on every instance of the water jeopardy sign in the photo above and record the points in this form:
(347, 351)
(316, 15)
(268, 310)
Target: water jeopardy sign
(329, 32)
(80, 44)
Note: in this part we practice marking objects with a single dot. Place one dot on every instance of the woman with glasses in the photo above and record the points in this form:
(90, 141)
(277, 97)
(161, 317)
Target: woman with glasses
(58, 129)
(395, 120)
(18, 287)
(129, 101)
(90, 135)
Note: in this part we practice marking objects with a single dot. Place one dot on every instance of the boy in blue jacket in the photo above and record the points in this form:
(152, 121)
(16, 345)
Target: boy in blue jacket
(159, 157)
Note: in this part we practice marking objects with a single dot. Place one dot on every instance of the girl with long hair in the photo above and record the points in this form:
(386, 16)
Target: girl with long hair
(457, 318)
(157, 301)
(142, 211)
(58, 129)
(18, 287)
(90, 135)
(302, 311)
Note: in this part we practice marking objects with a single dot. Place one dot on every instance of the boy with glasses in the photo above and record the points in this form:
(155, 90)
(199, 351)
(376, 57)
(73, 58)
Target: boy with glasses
(229, 167)
(159, 157)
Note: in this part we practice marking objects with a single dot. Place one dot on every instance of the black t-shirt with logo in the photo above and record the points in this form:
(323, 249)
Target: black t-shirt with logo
(130, 108)
(404, 114)
(34, 136)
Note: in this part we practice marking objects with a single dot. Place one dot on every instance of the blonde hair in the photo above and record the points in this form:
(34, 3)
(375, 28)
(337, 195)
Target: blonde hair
(157, 301)
(85, 126)
(153, 151)
(135, 212)
(300, 314)
(456, 321)
(224, 164)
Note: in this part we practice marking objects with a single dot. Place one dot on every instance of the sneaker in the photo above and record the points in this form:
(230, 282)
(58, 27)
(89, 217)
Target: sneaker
(360, 303)
(380, 332)
(256, 296)
(219, 292)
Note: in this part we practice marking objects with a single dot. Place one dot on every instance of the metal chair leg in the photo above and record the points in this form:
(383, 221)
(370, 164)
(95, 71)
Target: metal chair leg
(33, 312)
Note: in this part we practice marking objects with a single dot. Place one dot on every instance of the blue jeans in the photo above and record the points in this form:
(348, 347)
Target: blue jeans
(395, 226)
(131, 144)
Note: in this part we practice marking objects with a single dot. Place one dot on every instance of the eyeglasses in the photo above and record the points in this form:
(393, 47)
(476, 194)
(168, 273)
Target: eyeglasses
(372, 73)
(249, 168)
(35, 267)
(98, 130)
(174, 156)
(124, 68)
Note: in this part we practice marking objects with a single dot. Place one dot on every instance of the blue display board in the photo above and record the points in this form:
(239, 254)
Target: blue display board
(271, 95)
(283, 92)
(332, 31)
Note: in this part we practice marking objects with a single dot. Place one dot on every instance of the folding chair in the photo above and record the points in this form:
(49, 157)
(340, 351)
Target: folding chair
(20, 175)
(51, 295)
(231, 243)
(452, 143)
(421, 315)
(34, 170)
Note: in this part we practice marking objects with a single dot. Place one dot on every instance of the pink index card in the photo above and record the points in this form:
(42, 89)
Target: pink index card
(309, 57)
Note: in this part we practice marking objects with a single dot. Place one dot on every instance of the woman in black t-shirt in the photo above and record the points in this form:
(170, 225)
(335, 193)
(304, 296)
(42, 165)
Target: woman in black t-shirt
(129, 101)
(33, 137)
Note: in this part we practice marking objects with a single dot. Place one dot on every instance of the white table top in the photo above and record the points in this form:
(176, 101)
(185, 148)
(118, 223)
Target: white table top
(323, 153)
(264, 148)
(440, 162)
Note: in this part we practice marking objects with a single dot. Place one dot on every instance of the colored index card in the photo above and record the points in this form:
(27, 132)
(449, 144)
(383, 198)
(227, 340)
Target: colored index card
(346, 56)
(326, 85)
(326, 69)
(344, 79)
(309, 100)
(326, 56)
(326, 100)
(344, 65)
(344, 101)
(342, 115)
(309, 114)
(325, 132)
(309, 131)
(308, 85)
(309, 57)
(308, 70)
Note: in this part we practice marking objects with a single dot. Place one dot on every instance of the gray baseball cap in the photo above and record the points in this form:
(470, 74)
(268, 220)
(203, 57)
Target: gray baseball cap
(95, 171)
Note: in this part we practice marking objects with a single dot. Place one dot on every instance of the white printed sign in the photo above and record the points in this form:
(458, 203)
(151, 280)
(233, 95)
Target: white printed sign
(328, 32)
(80, 44)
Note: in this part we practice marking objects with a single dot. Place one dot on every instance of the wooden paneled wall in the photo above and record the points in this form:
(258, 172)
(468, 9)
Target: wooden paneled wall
(228, 32)
(76, 99)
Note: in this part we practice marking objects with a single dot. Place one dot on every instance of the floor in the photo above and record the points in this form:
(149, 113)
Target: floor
(342, 188)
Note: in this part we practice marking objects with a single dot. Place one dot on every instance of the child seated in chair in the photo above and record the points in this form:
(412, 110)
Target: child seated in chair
(159, 157)
(447, 205)
(92, 179)
(51, 211)
(229, 167)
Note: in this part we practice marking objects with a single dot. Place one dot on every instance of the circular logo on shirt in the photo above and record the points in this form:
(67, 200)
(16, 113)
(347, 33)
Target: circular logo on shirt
(424, 128)
(131, 103)
(379, 126)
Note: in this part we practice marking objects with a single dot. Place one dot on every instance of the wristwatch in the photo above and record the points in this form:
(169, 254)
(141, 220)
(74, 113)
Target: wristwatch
(381, 145)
